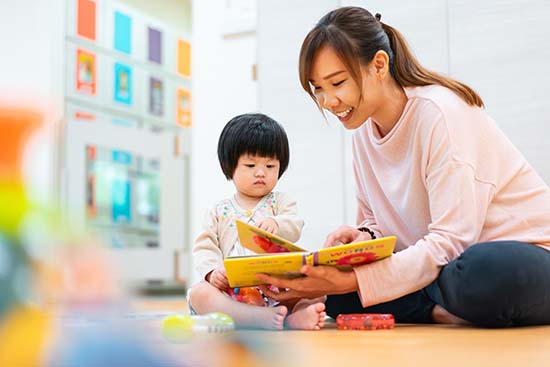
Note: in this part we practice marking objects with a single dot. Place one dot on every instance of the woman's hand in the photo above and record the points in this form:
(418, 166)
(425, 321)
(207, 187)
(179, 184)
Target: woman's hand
(318, 281)
(218, 278)
(346, 234)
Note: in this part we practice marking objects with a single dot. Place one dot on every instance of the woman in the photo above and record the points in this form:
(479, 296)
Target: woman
(471, 216)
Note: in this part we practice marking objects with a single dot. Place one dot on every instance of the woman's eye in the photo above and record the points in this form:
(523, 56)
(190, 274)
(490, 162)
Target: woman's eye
(338, 83)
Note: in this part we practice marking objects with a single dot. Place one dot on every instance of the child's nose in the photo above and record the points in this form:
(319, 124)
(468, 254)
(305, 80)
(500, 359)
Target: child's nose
(260, 172)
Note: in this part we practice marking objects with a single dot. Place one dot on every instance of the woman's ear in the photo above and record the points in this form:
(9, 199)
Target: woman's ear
(381, 63)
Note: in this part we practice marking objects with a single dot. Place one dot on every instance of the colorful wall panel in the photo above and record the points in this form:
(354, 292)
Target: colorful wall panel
(141, 81)
(123, 33)
(183, 107)
(123, 84)
(184, 58)
(85, 72)
(86, 19)
(154, 37)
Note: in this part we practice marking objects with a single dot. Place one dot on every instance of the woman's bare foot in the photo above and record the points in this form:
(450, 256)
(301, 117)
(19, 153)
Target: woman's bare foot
(311, 317)
(442, 316)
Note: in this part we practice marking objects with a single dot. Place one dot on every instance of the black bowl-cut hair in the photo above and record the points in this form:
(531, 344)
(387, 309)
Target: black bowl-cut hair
(254, 134)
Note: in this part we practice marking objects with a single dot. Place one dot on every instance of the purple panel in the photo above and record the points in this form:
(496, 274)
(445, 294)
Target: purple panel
(155, 45)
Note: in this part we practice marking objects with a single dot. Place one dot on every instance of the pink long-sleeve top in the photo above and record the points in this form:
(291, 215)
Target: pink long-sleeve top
(444, 178)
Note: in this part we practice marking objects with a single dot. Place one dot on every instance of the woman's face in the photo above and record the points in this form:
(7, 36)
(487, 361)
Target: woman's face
(337, 92)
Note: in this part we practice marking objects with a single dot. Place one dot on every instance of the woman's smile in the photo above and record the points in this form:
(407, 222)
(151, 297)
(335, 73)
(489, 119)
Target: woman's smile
(344, 115)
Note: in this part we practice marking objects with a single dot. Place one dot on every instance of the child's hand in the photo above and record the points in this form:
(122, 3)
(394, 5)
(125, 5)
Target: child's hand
(268, 225)
(218, 278)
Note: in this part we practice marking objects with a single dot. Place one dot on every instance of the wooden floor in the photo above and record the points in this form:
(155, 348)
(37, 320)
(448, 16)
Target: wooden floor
(406, 345)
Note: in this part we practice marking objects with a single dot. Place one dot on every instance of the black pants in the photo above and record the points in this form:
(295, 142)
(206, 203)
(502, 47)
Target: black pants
(492, 284)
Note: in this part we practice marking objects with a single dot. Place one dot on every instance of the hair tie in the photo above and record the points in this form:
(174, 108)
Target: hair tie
(378, 16)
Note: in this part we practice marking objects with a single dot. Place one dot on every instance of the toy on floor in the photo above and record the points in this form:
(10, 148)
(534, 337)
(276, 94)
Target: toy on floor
(248, 295)
(181, 328)
(365, 321)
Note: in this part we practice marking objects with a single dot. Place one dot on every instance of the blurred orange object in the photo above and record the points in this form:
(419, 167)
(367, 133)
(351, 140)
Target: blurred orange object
(16, 125)
(248, 295)
(252, 296)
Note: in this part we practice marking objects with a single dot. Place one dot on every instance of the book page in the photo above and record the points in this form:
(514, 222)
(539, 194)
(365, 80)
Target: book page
(261, 242)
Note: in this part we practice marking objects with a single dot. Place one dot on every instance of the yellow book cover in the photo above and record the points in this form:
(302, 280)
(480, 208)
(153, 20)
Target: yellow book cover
(277, 256)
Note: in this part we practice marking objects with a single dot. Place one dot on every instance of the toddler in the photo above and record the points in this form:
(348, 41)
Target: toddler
(253, 152)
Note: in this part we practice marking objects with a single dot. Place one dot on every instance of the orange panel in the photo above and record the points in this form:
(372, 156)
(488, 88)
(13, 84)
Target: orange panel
(17, 126)
(183, 103)
(85, 72)
(86, 19)
(184, 58)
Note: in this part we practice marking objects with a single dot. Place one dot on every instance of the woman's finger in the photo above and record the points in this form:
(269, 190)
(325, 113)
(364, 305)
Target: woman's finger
(278, 282)
(329, 242)
(336, 238)
(341, 236)
(281, 296)
(319, 272)
(264, 288)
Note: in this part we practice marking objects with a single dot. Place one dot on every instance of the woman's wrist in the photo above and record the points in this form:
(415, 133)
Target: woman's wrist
(368, 230)
(351, 284)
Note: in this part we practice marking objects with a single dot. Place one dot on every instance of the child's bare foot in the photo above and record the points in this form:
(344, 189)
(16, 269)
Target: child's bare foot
(442, 316)
(311, 317)
(271, 318)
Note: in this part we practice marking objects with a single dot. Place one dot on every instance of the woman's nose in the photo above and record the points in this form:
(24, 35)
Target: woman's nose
(330, 100)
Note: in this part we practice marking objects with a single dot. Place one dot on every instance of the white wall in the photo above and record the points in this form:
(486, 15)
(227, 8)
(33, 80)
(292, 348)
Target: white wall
(502, 49)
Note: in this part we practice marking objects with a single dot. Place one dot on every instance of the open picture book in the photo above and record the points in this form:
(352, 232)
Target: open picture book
(279, 257)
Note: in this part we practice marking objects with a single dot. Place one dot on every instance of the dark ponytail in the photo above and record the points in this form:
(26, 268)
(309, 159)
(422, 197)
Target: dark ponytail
(356, 35)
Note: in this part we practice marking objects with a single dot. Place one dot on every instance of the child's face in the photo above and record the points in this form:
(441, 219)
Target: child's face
(256, 176)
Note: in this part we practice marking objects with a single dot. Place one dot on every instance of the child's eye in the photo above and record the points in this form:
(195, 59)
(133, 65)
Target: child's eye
(250, 165)
(270, 166)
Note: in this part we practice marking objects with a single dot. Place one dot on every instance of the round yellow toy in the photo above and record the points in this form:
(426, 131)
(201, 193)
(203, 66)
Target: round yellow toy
(181, 328)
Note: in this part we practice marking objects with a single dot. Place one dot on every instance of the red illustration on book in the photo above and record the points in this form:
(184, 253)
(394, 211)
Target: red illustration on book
(357, 259)
(268, 246)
